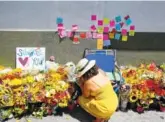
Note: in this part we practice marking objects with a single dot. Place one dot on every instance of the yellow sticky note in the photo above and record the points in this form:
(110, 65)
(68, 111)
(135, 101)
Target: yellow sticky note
(99, 44)
(106, 20)
(111, 35)
(100, 29)
(124, 38)
(131, 33)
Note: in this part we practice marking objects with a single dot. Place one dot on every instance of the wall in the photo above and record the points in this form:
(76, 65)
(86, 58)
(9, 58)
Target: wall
(146, 15)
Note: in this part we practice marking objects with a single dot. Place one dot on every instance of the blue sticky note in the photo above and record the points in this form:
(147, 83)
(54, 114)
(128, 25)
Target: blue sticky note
(118, 26)
(128, 21)
(118, 19)
(117, 36)
(106, 42)
(59, 20)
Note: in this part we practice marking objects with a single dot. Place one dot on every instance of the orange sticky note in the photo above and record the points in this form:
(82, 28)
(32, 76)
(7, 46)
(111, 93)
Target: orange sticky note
(100, 29)
(111, 35)
(124, 38)
(131, 33)
(99, 44)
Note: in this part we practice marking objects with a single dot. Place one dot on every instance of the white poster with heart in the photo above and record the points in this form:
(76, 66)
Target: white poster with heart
(30, 58)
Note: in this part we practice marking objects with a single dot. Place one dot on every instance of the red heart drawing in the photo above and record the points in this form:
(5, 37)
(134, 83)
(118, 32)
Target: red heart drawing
(23, 61)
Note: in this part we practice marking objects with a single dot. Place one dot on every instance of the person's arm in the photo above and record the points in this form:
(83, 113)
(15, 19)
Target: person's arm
(86, 90)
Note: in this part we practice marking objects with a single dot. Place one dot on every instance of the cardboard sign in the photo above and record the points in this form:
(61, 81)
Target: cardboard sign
(28, 58)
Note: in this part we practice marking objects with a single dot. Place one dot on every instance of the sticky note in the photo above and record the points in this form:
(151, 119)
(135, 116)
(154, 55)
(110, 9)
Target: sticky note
(105, 37)
(88, 35)
(100, 44)
(60, 27)
(106, 20)
(74, 27)
(93, 17)
(100, 30)
(132, 27)
(100, 22)
(75, 40)
(124, 38)
(113, 30)
(122, 24)
(83, 35)
(124, 32)
(111, 35)
(106, 43)
(131, 33)
(93, 27)
(117, 36)
(94, 35)
(128, 21)
(59, 20)
(118, 27)
(126, 17)
(112, 23)
(106, 29)
(99, 36)
(69, 34)
(118, 19)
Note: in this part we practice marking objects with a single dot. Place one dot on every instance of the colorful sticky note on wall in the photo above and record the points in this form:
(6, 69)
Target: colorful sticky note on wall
(105, 37)
(126, 17)
(106, 43)
(106, 20)
(132, 27)
(128, 21)
(124, 32)
(124, 38)
(76, 40)
(118, 27)
(69, 34)
(88, 35)
(121, 24)
(131, 33)
(112, 23)
(99, 44)
(100, 22)
(93, 17)
(99, 36)
(111, 35)
(118, 19)
(59, 20)
(100, 29)
(74, 27)
(117, 36)
(106, 29)
(60, 27)
(93, 28)
(94, 35)
(113, 30)
(83, 35)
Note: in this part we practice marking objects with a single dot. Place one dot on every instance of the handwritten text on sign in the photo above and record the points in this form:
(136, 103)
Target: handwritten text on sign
(30, 58)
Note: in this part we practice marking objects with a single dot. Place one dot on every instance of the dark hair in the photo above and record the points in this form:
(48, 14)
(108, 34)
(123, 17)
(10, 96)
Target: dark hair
(90, 73)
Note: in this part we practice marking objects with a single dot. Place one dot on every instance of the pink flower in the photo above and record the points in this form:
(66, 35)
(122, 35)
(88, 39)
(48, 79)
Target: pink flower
(140, 109)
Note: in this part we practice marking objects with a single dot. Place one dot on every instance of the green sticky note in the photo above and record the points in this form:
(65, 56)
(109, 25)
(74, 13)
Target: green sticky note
(106, 20)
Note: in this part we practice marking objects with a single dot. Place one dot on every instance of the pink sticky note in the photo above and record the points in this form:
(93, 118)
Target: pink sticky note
(88, 34)
(94, 35)
(100, 22)
(60, 27)
(112, 23)
(132, 27)
(105, 37)
(93, 28)
(106, 29)
(99, 36)
(74, 27)
(69, 34)
(93, 17)
(62, 34)
(124, 32)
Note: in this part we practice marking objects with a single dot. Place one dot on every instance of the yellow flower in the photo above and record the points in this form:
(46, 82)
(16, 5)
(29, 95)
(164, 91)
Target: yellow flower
(15, 82)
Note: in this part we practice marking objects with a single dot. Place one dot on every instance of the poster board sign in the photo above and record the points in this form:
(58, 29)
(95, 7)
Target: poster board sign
(30, 58)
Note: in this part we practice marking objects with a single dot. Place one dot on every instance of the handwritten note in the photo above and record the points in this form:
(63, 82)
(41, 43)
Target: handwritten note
(30, 58)
(124, 38)
(99, 44)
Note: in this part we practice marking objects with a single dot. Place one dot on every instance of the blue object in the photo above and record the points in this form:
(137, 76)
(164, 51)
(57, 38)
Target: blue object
(59, 20)
(106, 42)
(118, 27)
(105, 59)
(128, 21)
(117, 36)
(118, 19)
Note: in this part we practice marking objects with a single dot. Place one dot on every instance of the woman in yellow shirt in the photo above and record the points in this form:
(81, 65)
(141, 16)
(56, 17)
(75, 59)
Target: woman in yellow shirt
(98, 97)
